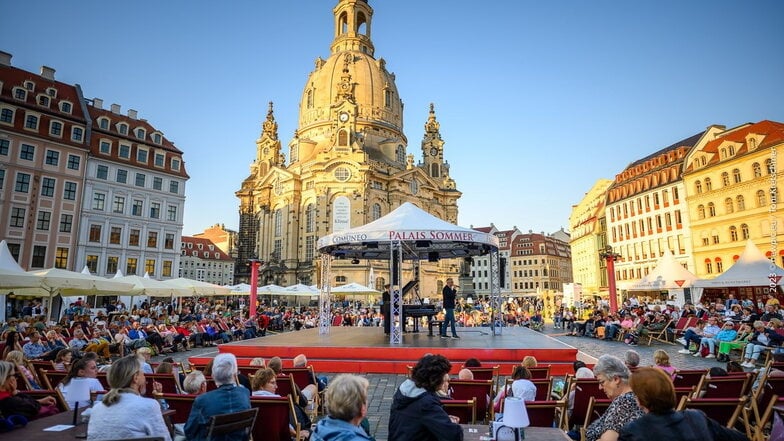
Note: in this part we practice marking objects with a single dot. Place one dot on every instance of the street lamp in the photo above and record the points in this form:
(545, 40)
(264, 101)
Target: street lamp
(610, 257)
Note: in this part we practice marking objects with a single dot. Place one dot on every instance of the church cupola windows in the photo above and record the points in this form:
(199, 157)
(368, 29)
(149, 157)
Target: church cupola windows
(400, 154)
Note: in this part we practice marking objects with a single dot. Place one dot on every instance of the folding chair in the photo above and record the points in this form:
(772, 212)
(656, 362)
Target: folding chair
(229, 423)
(540, 372)
(62, 405)
(723, 387)
(275, 416)
(463, 409)
(724, 410)
(181, 403)
(286, 387)
(52, 378)
(584, 389)
(756, 432)
(548, 413)
(486, 373)
(688, 378)
(169, 382)
(479, 390)
(596, 408)
(658, 335)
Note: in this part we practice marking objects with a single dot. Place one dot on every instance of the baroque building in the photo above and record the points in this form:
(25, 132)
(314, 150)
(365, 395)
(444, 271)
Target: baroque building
(204, 261)
(588, 238)
(731, 182)
(348, 164)
(647, 212)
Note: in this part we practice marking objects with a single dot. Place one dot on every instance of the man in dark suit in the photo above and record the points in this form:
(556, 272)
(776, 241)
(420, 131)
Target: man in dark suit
(386, 308)
(449, 294)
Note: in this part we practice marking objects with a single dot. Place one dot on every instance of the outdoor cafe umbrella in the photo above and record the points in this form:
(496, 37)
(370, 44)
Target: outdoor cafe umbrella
(151, 287)
(12, 275)
(198, 288)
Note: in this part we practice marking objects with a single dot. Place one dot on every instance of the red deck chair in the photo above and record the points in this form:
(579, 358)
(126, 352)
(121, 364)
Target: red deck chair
(181, 403)
(540, 372)
(723, 410)
(548, 413)
(584, 389)
(479, 390)
(463, 409)
(723, 387)
(688, 378)
(275, 415)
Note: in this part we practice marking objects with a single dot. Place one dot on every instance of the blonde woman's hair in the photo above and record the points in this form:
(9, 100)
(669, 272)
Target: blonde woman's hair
(661, 358)
(120, 377)
(345, 396)
(529, 361)
(15, 357)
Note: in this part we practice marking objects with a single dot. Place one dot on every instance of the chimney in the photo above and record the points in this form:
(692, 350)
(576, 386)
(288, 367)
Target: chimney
(98, 103)
(5, 58)
(116, 108)
(132, 114)
(47, 72)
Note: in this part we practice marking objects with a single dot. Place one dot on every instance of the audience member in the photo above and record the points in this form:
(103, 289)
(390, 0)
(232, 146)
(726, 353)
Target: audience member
(83, 374)
(17, 358)
(416, 411)
(63, 360)
(227, 398)
(632, 359)
(346, 405)
(465, 374)
(762, 339)
(613, 376)
(12, 402)
(109, 418)
(195, 383)
(529, 361)
(656, 395)
(472, 362)
(661, 360)
(300, 361)
(727, 333)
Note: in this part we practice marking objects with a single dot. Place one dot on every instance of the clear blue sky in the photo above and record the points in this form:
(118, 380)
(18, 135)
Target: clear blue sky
(536, 99)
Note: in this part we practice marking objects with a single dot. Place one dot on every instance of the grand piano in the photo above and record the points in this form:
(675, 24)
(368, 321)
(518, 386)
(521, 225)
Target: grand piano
(418, 309)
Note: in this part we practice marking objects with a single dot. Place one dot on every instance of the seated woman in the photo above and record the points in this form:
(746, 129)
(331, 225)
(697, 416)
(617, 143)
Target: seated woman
(17, 358)
(63, 360)
(265, 384)
(656, 395)
(416, 411)
(14, 403)
(83, 374)
(762, 339)
(80, 343)
(744, 334)
(346, 405)
(109, 418)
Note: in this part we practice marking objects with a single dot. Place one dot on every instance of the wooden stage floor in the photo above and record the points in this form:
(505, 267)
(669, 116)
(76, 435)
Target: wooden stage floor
(367, 350)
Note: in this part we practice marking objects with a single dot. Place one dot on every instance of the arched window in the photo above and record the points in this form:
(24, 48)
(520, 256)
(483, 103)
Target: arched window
(719, 265)
(343, 138)
(741, 202)
(732, 150)
(435, 170)
(708, 266)
(761, 199)
(310, 98)
(700, 211)
(736, 175)
(278, 222)
(725, 179)
(698, 186)
(744, 231)
(711, 209)
(375, 212)
(708, 184)
(400, 154)
(728, 206)
(733, 234)
(756, 170)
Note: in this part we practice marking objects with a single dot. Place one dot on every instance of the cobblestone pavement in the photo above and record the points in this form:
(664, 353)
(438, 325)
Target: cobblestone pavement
(383, 386)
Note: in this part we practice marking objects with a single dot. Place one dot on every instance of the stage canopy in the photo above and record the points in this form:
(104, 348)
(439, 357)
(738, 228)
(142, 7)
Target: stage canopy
(406, 233)
(423, 236)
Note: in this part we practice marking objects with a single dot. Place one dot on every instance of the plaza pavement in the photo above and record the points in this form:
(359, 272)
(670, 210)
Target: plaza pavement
(383, 386)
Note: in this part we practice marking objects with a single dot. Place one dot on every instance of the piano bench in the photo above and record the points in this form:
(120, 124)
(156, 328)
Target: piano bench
(433, 323)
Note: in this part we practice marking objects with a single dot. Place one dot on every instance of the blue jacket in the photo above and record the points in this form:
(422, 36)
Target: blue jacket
(331, 429)
(228, 398)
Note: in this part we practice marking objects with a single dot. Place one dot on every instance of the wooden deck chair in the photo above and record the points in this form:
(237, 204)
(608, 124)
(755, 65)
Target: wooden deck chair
(596, 408)
(170, 383)
(679, 328)
(548, 413)
(249, 370)
(479, 390)
(683, 392)
(53, 378)
(769, 389)
(286, 387)
(62, 405)
(723, 410)
(659, 335)
(275, 416)
(463, 409)
(181, 403)
(688, 377)
(486, 373)
(757, 431)
(584, 389)
(543, 389)
(230, 423)
(723, 387)
(540, 372)
(304, 376)
(22, 383)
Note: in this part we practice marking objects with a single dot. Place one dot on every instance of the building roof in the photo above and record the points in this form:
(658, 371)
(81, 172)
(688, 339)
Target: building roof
(215, 253)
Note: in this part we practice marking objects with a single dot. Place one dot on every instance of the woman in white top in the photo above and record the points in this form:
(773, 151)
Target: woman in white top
(522, 387)
(124, 413)
(81, 377)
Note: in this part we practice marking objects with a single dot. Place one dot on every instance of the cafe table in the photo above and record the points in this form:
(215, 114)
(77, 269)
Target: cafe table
(480, 432)
(35, 429)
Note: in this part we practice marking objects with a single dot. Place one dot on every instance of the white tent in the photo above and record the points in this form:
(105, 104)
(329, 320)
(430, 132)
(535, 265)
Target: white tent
(12, 275)
(197, 287)
(669, 275)
(146, 286)
(751, 269)
(406, 233)
(300, 290)
(353, 288)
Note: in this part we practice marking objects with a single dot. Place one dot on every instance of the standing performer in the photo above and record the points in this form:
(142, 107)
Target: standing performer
(449, 294)
(386, 307)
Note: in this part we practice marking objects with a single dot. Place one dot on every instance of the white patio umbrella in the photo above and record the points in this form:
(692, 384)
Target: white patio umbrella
(64, 282)
(12, 275)
(199, 288)
(353, 288)
(151, 287)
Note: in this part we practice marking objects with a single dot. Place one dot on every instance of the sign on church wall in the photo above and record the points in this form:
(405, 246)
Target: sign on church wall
(341, 214)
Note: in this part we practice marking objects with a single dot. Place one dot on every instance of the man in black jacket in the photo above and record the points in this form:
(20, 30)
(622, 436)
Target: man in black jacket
(449, 294)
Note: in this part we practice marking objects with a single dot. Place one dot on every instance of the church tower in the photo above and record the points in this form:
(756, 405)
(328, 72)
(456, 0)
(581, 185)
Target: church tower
(347, 165)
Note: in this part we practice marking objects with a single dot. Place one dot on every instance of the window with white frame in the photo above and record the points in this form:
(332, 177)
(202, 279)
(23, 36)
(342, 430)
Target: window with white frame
(102, 172)
(140, 133)
(160, 160)
(103, 123)
(122, 176)
(141, 156)
(175, 164)
(31, 122)
(125, 151)
(105, 147)
(174, 187)
(47, 187)
(6, 115)
(27, 152)
(66, 107)
(56, 128)
(122, 128)
(157, 183)
(171, 213)
(99, 201)
(77, 134)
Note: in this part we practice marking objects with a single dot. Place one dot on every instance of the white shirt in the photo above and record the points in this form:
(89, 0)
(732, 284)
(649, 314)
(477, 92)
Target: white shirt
(524, 389)
(77, 383)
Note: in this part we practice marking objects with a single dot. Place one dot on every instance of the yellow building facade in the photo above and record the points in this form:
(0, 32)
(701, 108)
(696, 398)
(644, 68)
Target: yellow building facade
(348, 164)
(731, 184)
(588, 238)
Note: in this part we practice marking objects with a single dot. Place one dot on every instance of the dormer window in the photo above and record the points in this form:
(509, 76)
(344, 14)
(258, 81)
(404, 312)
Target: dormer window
(65, 107)
(157, 138)
(140, 133)
(103, 123)
(20, 94)
(122, 128)
(52, 92)
(43, 100)
(29, 85)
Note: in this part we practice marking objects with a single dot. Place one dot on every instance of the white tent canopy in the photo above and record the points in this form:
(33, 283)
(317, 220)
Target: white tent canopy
(353, 288)
(300, 290)
(12, 275)
(151, 287)
(197, 287)
(751, 269)
(668, 274)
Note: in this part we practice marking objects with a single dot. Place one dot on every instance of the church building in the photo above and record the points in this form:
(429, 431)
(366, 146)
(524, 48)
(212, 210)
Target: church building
(347, 164)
